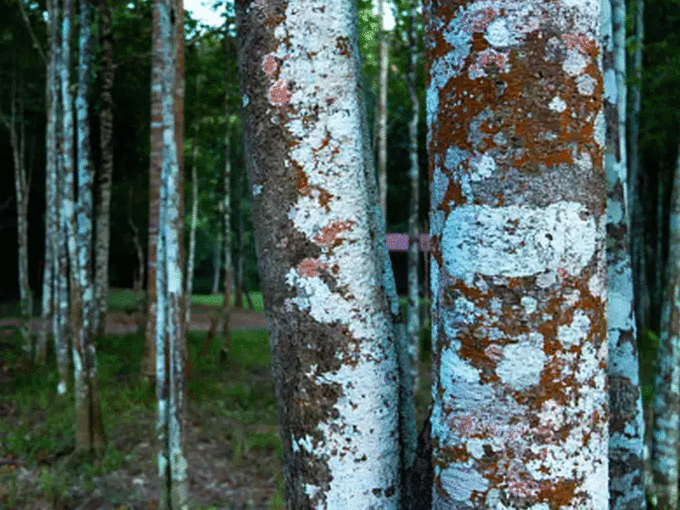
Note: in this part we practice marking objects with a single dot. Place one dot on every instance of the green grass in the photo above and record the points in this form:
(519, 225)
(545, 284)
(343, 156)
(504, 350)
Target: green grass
(128, 299)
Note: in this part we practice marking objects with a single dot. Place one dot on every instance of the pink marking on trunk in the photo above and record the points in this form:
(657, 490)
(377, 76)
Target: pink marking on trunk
(279, 93)
(328, 236)
(269, 65)
(310, 267)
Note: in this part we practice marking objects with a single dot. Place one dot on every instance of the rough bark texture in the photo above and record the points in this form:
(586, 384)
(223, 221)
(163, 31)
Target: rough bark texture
(413, 312)
(51, 168)
(103, 228)
(667, 382)
(381, 110)
(170, 332)
(155, 164)
(333, 355)
(89, 425)
(515, 137)
(626, 422)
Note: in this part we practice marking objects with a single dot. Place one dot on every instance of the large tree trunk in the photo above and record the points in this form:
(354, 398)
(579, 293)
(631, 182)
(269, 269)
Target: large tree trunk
(155, 164)
(335, 370)
(667, 381)
(519, 279)
(414, 205)
(170, 332)
(89, 425)
(626, 422)
(103, 228)
(50, 269)
(381, 110)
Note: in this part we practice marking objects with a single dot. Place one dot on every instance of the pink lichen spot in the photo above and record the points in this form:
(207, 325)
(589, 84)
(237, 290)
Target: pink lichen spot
(329, 235)
(269, 65)
(464, 425)
(310, 267)
(279, 94)
(580, 42)
(477, 21)
(488, 60)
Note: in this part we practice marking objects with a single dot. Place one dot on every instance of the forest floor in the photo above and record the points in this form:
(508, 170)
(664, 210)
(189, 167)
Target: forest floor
(232, 441)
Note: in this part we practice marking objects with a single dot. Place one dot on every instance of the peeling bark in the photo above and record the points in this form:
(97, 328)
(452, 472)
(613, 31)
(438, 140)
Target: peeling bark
(515, 139)
(333, 352)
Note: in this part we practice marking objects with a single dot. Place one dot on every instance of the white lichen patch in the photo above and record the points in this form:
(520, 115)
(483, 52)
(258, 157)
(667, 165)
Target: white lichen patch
(529, 304)
(557, 104)
(518, 240)
(464, 478)
(575, 63)
(574, 333)
(257, 189)
(498, 34)
(585, 84)
(522, 363)
(483, 167)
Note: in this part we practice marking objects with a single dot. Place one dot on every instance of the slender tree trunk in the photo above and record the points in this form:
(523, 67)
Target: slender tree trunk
(332, 367)
(138, 276)
(635, 176)
(22, 191)
(226, 211)
(381, 110)
(89, 426)
(194, 215)
(519, 281)
(414, 205)
(170, 332)
(217, 263)
(103, 227)
(667, 381)
(240, 262)
(626, 422)
(50, 269)
(155, 164)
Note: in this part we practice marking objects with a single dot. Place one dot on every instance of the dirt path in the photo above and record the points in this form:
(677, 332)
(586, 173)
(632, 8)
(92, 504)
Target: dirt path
(122, 323)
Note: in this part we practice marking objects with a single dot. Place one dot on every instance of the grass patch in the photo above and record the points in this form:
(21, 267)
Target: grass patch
(128, 299)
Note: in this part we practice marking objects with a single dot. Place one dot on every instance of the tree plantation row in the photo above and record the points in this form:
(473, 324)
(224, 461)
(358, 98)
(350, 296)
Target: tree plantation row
(302, 128)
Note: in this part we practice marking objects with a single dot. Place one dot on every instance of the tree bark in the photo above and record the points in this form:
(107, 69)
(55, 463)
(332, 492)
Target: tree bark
(667, 380)
(626, 422)
(517, 220)
(308, 161)
(170, 331)
(226, 212)
(155, 164)
(217, 263)
(413, 313)
(381, 110)
(194, 215)
(89, 426)
(103, 227)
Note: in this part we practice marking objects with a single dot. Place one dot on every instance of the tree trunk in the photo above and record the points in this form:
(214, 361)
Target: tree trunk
(50, 269)
(414, 206)
(155, 164)
(194, 215)
(22, 193)
(667, 381)
(226, 211)
(138, 275)
(103, 227)
(626, 422)
(518, 196)
(217, 263)
(642, 297)
(170, 339)
(240, 261)
(89, 426)
(335, 370)
(381, 110)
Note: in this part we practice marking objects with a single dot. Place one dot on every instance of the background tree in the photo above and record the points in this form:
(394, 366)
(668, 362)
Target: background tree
(308, 185)
(517, 210)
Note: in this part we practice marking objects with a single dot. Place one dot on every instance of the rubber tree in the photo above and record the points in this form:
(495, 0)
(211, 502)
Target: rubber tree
(517, 220)
(334, 356)
(626, 422)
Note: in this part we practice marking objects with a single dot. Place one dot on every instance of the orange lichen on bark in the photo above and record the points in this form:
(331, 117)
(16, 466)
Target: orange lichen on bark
(330, 233)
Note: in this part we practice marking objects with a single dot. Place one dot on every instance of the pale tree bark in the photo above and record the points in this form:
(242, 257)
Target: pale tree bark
(89, 425)
(155, 164)
(50, 269)
(103, 226)
(217, 262)
(381, 110)
(515, 139)
(626, 421)
(170, 331)
(334, 356)
(226, 222)
(194, 213)
(22, 183)
(138, 275)
(241, 257)
(635, 176)
(667, 379)
(413, 312)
